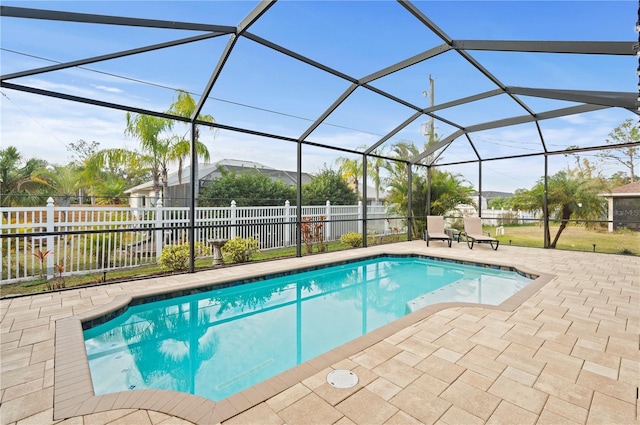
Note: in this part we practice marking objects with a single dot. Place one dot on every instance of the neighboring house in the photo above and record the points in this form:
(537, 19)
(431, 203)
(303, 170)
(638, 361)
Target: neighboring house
(371, 195)
(178, 190)
(485, 197)
(624, 207)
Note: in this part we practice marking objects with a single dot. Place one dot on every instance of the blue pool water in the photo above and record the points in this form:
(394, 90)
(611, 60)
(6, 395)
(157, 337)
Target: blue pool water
(217, 343)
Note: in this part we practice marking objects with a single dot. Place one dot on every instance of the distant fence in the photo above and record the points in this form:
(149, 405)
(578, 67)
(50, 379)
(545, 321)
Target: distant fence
(98, 239)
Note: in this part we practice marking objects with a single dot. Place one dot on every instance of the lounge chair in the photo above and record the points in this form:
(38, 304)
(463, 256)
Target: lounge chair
(435, 230)
(473, 233)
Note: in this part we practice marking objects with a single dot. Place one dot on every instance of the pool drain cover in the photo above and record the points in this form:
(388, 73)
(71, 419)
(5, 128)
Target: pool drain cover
(342, 378)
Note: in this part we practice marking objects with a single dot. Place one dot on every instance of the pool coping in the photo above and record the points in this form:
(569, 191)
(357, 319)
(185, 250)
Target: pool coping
(73, 386)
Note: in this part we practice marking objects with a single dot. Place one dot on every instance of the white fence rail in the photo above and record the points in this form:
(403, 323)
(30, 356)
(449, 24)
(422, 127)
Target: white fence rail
(97, 239)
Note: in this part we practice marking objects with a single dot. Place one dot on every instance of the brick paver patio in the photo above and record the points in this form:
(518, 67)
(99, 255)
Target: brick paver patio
(569, 353)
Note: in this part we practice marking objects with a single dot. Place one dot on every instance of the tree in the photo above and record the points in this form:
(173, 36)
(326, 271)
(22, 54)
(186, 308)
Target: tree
(627, 132)
(328, 185)
(158, 147)
(249, 188)
(185, 106)
(63, 182)
(17, 186)
(351, 171)
(147, 129)
(397, 180)
(448, 190)
(571, 195)
(374, 166)
(110, 190)
(82, 150)
(500, 202)
(619, 178)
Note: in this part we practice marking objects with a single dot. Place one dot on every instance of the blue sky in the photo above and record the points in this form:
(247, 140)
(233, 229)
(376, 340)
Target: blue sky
(262, 90)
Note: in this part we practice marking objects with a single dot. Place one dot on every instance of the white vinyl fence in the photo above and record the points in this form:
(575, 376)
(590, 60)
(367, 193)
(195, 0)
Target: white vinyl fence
(97, 239)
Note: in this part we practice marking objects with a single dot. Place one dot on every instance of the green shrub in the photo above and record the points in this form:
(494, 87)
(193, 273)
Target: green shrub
(202, 249)
(175, 257)
(352, 238)
(239, 250)
(458, 224)
(626, 251)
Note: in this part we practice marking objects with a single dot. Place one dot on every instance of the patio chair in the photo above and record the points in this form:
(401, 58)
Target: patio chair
(473, 233)
(435, 230)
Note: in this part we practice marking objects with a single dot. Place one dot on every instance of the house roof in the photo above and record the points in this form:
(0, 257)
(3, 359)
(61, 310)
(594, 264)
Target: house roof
(491, 194)
(631, 188)
(172, 178)
(205, 172)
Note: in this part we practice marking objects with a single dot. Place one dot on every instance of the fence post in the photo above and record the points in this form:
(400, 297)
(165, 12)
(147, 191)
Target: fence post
(327, 212)
(287, 227)
(360, 216)
(160, 232)
(233, 219)
(50, 237)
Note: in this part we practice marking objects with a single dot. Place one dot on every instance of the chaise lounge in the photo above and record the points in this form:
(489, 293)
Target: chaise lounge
(473, 233)
(435, 230)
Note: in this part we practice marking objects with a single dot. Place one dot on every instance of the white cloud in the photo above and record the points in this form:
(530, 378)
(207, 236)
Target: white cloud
(42, 127)
(109, 89)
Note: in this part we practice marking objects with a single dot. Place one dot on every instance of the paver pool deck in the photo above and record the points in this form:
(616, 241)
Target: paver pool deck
(567, 352)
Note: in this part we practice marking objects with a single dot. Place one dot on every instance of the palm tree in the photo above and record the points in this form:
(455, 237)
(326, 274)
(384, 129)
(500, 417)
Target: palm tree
(569, 195)
(157, 149)
(448, 190)
(110, 190)
(374, 165)
(185, 106)
(399, 176)
(16, 183)
(63, 181)
(148, 129)
(351, 171)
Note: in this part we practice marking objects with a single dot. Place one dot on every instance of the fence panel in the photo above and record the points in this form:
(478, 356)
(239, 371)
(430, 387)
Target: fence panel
(266, 224)
(97, 239)
(340, 216)
(212, 222)
(18, 259)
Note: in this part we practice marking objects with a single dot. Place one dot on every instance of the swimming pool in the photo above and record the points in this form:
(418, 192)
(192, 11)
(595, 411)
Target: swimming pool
(241, 335)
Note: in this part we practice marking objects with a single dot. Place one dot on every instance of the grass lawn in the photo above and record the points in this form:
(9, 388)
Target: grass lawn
(573, 238)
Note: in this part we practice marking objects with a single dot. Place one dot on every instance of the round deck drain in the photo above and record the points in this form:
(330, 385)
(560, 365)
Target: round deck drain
(342, 378)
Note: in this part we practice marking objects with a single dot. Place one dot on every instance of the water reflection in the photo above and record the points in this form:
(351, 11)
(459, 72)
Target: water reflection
(217, 343)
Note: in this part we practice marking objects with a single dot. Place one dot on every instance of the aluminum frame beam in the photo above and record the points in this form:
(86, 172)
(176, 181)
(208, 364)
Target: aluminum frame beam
(464, 100)
(110, 56)
(89, 18)
(249, 20)
(393, 132)
(625, 100)
(556, 113)
(571, 47)
(446, 141)
(328, 111)
(420, 57)
(547, 153)
(80, 99)
(523, 119)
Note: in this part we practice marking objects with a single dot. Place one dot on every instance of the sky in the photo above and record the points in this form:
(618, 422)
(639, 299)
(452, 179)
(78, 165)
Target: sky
(260, 89)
